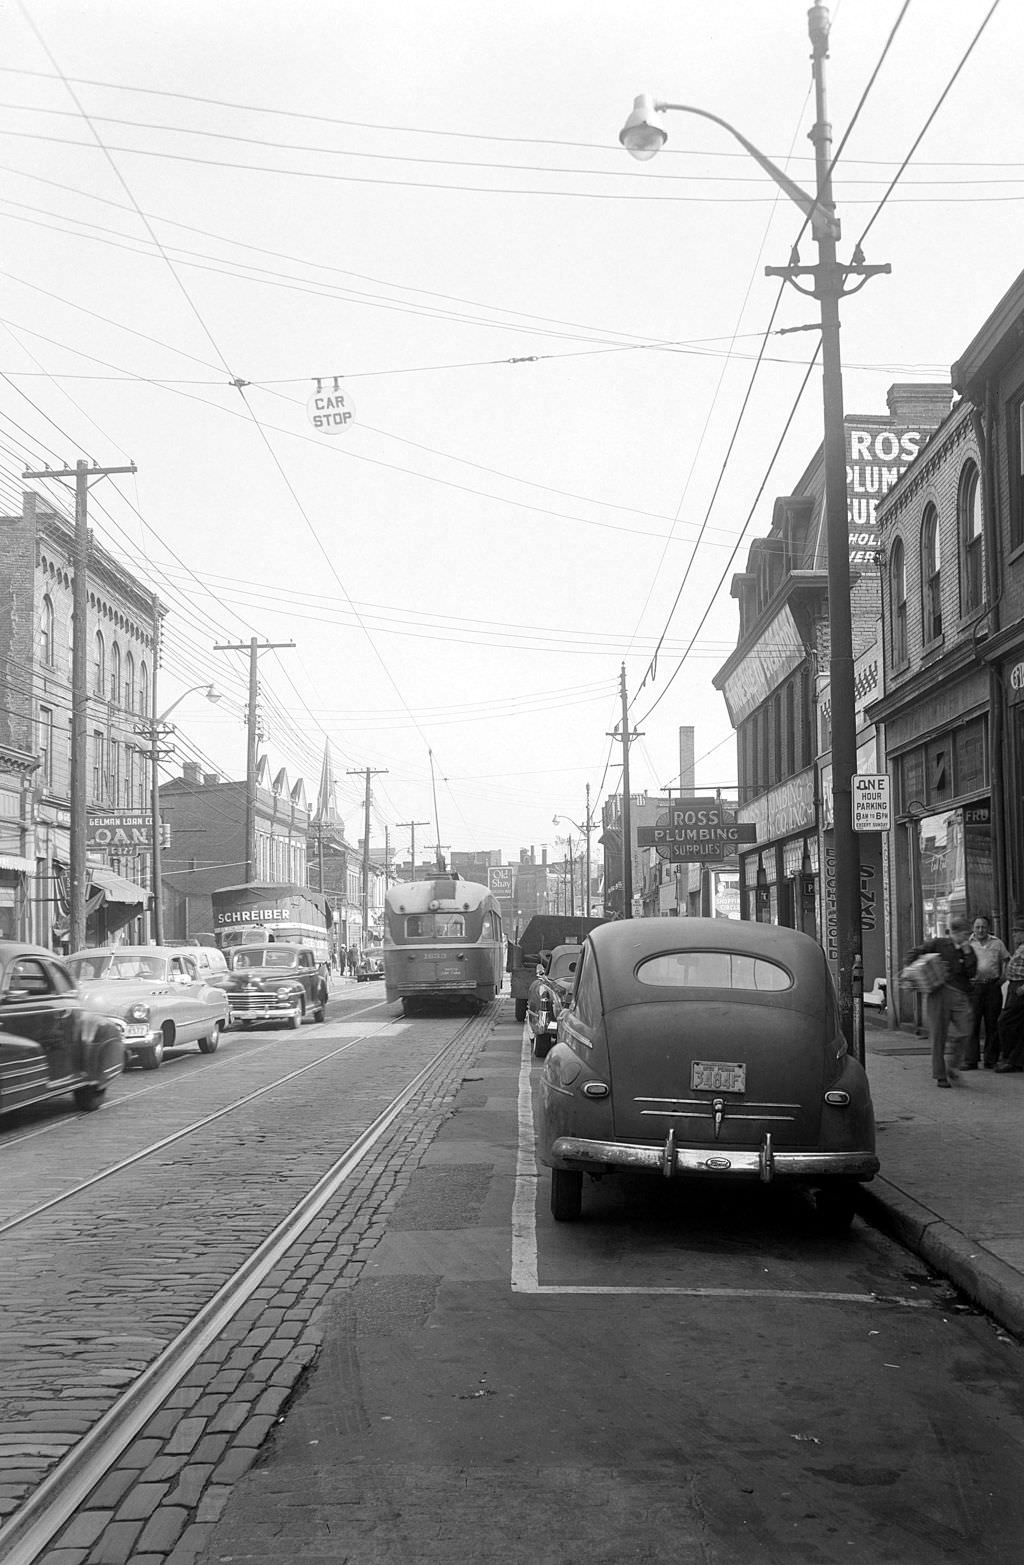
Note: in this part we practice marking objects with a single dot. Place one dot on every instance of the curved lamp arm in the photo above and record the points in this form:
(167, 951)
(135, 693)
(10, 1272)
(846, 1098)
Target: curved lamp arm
(642, 139)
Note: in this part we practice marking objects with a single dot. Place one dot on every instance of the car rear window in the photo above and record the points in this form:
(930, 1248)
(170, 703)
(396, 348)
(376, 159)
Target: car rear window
(712, 970)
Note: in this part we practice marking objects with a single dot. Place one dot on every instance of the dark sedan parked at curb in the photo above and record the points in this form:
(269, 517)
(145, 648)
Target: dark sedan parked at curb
(705, 1049)
(275, 983)
(50, 1042)
(548, 993)
(157, 994)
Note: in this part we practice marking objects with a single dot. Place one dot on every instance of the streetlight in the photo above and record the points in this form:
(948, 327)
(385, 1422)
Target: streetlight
(643, 139)
(157, 732)
(585, 832)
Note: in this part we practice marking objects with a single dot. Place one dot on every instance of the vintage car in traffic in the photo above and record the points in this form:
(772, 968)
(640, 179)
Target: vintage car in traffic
(705, 1050)
(549, 991)
(157, 994)
(51, 1043)
(275, 983)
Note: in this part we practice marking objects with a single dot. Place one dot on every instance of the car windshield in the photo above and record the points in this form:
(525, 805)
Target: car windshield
(274, 959)
(118, 965)
(712, 970)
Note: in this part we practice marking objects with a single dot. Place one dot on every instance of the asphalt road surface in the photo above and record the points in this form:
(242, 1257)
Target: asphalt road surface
(673, 1378)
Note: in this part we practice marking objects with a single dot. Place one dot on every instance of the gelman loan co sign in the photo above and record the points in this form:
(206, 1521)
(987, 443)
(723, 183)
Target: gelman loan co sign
(119, 830)
(695, 831)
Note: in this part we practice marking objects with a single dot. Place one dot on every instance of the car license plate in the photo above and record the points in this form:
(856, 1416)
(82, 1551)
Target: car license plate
(136, 1032)
(717, 1076)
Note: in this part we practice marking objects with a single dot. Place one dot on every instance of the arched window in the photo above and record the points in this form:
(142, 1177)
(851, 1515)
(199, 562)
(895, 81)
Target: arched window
(931, 577)
(46, 633)
(968, 511)
(129, 682)
(115, 674)
(99, 665)
(898, 604)
(144, 690)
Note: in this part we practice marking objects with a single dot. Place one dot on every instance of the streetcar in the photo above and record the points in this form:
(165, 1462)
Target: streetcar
(443, 940)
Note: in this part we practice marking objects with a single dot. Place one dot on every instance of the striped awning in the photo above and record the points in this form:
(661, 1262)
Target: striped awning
(116, 889)
(16, 862)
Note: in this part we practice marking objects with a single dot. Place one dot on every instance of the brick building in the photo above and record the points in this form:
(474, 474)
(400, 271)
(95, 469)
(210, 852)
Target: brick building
(36, 630)
(775, 683)
(951, 704)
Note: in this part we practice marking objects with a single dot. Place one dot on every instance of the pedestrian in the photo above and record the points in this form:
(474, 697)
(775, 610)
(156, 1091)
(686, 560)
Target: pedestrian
(353, 961)
(986, 995)
(948, 1009)
(339, 960)
(1011, 1017)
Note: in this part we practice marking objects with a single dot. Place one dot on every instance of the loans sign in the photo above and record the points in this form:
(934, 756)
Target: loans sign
(119, 829)
(695, 831)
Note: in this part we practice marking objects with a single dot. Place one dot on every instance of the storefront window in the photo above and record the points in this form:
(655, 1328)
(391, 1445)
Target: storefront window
(956, 869)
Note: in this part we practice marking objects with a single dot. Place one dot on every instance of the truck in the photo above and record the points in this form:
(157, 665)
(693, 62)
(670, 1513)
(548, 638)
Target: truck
(263, 911)
(543, 933)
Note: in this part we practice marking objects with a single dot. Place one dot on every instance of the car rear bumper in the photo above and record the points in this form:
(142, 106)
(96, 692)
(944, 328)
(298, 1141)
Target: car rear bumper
(764, 1162)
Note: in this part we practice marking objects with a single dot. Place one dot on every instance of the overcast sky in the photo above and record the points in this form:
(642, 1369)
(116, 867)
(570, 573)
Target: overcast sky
(546, 344)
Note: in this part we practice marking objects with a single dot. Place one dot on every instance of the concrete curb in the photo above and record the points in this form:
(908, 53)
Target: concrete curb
(994, 1286)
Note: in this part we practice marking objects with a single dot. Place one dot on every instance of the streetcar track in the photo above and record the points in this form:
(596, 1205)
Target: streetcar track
(177, 1135)
(201, 1065)
(67, 1485)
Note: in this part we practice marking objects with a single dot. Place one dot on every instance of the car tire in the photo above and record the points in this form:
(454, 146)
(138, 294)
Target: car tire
(566, 1194)
(208, 1045)
(89, 1098)
(835, 1206)
(150, 1057)
(541, 1045)
(520, 1010)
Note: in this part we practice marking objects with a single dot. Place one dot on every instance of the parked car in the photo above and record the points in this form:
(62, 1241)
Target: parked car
(210, 961)
(368, 968)
(276, 983)
(158, 995)
(549, 991)
(705, 1049)
(51, 1043)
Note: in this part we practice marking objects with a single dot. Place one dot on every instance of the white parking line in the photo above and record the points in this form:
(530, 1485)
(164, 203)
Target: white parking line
(524, 1276)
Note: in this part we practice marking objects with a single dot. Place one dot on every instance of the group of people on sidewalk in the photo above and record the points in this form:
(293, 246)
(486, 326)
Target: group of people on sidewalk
(970, 1001)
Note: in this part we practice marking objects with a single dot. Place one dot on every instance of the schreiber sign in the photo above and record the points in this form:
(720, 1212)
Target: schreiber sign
(694, 831)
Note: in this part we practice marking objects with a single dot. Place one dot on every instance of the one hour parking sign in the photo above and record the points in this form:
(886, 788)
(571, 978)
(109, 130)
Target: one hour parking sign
(872, 809)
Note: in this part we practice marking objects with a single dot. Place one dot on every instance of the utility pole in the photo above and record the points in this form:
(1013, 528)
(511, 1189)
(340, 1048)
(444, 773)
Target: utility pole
(81, 473)
(589, 826)
(254, 647)
(623, 733)
(412, 827)
(367, 772)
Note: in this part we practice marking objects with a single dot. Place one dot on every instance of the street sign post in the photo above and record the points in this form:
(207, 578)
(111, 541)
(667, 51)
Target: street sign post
(872, 806)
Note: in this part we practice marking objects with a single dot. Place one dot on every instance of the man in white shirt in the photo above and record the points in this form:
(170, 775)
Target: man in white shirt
(986, 996)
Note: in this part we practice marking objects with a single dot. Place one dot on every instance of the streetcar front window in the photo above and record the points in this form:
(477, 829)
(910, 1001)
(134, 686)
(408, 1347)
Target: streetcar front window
(435, 926)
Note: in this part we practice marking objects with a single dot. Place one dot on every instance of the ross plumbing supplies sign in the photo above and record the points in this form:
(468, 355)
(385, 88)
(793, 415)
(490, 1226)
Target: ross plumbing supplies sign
(876, 457)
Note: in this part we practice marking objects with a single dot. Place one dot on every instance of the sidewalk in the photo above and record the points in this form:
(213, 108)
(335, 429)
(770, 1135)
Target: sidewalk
(951, 1186)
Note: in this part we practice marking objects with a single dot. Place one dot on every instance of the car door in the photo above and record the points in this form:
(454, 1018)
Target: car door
(37, 1017)
(190, 1011)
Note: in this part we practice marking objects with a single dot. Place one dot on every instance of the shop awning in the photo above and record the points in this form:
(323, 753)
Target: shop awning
(14, 861)
(116, 889)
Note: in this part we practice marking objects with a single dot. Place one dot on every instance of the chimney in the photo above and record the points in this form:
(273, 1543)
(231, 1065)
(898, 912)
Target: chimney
(210, 779)
(922, 405)
(191, 773)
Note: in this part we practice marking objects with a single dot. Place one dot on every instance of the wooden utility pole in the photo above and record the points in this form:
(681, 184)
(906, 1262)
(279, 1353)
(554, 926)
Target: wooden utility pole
(81, 473)
(623, 733)
(254, 647)
(412, 827)
(367, 772)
